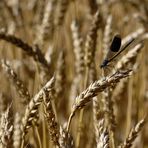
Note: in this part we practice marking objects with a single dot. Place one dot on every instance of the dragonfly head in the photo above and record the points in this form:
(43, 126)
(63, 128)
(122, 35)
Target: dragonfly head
(104, 63)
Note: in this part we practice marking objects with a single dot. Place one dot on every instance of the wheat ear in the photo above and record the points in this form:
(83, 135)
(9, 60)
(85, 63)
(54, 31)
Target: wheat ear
(107, 34)
(65, 140)
(103, 135)
(6, 129)
(76, 86)
(94, 89)
(133, 134)
(50, 115)
(132, 35)
(129, 58)
(45, 30)
(60, 76)
(91, 39)
(77, 45)
(32, 109)
(17, 131)
(20, 87)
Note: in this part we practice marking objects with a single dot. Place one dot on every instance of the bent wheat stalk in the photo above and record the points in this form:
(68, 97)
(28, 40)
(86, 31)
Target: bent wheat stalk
(34, 52)
(94, 89)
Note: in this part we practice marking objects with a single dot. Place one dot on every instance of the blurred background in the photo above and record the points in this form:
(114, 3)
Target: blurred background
(64, 37)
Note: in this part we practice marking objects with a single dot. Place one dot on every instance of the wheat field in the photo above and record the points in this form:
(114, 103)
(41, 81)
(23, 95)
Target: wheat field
(61, 83)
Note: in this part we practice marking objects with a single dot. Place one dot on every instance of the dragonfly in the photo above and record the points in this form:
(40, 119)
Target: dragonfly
(115, 50)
